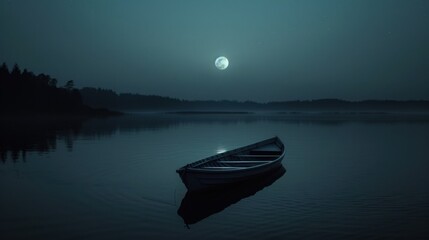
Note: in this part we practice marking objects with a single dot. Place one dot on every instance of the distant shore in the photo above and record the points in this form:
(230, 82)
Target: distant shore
(353, 113)
(309, 115)
(88, 112)
(209, 112)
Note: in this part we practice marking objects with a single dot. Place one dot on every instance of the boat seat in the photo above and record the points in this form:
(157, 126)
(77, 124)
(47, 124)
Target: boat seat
(224, 167)
(244, 161)
(256, 156)
(259, 152)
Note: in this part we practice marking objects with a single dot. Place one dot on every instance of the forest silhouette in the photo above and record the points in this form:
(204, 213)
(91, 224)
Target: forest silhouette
(23, 92)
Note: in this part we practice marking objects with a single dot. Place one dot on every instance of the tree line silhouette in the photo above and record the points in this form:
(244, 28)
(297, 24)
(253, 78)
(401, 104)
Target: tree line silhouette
(106, 98)
(23, 92)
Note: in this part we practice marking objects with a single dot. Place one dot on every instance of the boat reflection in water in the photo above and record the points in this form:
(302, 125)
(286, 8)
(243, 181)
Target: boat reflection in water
(197, 206)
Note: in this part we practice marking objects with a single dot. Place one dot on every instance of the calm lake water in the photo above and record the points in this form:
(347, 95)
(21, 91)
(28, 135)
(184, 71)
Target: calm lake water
(114, 178)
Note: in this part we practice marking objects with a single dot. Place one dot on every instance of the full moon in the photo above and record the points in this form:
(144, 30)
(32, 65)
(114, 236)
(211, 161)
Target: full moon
(221, 63)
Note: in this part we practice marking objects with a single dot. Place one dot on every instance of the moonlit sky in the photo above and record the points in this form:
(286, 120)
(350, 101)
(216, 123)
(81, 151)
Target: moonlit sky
(278, 50)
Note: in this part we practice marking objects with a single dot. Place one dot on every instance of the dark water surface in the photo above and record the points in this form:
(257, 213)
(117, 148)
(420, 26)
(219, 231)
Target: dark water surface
(115, 178)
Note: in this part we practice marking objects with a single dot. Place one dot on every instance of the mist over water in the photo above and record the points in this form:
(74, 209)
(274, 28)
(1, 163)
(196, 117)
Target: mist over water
(114, 178)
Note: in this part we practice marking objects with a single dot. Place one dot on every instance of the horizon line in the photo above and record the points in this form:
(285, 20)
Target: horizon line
(259, 102)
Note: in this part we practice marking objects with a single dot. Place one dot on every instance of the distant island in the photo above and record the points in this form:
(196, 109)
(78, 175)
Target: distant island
(106, 98)
(24, 93)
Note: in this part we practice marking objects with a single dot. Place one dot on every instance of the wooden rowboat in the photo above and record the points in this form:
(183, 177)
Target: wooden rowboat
(233, 166)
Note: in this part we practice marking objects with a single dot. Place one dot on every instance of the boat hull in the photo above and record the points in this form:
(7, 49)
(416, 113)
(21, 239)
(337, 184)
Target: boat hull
(201, 180)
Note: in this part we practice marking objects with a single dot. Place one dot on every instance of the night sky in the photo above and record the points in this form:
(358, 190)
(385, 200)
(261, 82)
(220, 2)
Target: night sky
(277, 50)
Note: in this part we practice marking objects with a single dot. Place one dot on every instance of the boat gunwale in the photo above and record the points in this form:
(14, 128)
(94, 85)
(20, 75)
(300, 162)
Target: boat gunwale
(243, 169)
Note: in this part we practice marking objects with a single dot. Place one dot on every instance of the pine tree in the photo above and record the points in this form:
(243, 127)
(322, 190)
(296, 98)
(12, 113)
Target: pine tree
(69, 85)
(16, 72)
